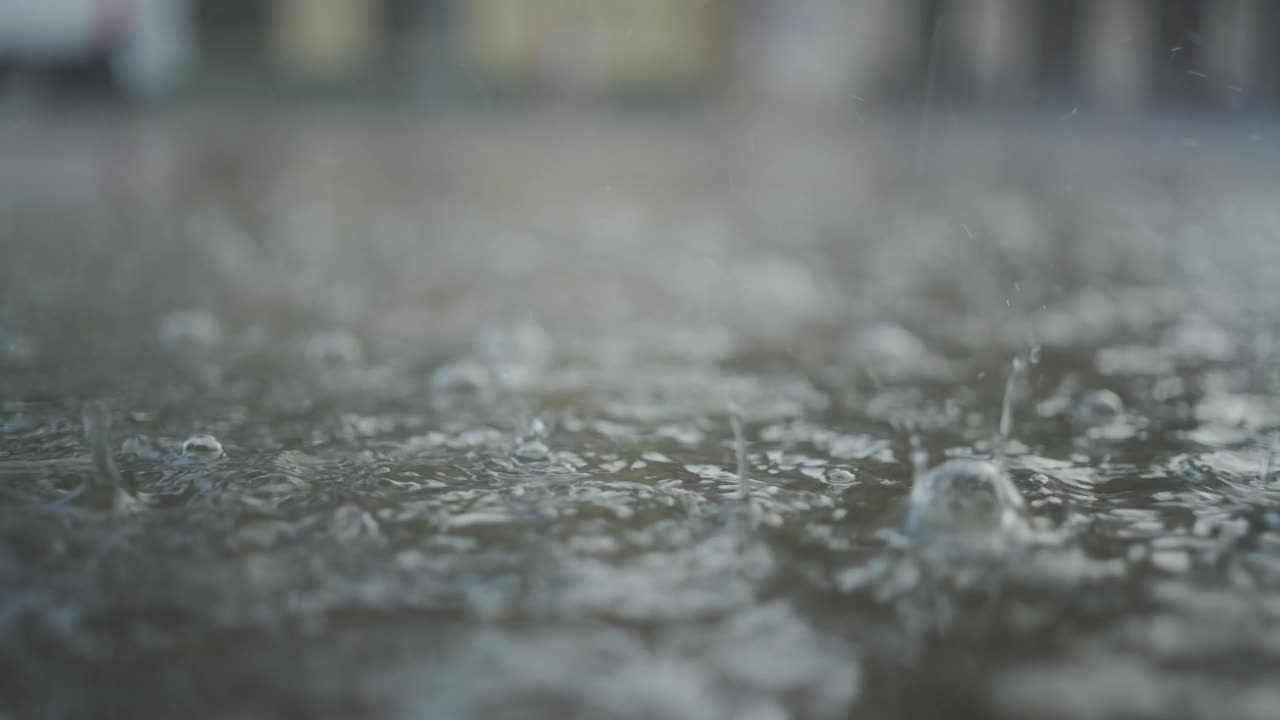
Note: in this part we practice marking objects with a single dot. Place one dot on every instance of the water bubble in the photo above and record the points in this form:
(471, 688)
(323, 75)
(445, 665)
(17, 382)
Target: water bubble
(1098, 407)
(334, 350)
(964, 496)
(460, 384)
(202, 447)
(190, 330)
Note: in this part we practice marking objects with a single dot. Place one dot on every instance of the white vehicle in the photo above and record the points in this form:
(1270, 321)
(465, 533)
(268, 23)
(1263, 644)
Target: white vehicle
(146, 44)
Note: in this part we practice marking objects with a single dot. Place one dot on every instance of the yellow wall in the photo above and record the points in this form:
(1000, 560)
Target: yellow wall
(324, 38)
(591, 44)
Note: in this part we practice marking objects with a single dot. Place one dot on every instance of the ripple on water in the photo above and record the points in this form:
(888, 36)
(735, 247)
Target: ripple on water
(1238, 473)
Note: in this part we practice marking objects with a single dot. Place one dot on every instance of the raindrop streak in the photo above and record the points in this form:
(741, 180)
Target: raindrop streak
(1271, 458)
(740, 449)
(935, 40)
(1006, 410)
(97, 434)
(106, 474)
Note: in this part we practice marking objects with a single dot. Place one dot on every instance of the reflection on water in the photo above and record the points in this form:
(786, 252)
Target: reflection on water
(424, 421)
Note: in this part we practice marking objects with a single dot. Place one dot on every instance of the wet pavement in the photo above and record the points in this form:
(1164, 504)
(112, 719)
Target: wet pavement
(661, 416)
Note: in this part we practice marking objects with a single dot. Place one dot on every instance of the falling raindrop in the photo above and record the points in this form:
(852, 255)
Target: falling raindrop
(739, 450)
(1016, 373)
(96, 420)
(1271, 458)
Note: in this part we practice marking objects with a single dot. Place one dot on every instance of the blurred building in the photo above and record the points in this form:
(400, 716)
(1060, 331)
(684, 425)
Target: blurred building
(593, 46)
(144, 46)
(825, 55)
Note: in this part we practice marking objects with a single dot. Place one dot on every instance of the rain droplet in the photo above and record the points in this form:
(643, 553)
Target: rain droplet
(964, 496)
(185, 330)
(334, 350)
(202, 447)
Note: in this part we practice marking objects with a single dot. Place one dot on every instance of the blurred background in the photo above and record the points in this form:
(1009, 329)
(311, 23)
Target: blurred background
(762, 165)
(838, 56)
